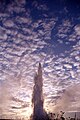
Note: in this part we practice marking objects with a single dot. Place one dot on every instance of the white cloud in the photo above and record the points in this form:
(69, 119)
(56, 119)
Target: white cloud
(68, 66)
(8, 23)
(27, 44)
(77, 29)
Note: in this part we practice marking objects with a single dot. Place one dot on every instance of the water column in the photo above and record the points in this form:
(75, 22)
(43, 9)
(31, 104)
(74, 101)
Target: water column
(37, 98)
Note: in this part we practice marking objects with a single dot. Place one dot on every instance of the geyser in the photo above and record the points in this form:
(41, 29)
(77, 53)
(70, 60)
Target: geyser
(37, 98)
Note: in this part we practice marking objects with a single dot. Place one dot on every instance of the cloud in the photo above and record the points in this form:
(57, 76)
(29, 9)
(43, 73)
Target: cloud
(20, 107)
(39, 6)
(68, 99)
(8, 23)
(77, 29)
(25, 42)
(3, 35)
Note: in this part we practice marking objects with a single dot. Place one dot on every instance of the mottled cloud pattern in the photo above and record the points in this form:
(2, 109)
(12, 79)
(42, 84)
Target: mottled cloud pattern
(31, 32)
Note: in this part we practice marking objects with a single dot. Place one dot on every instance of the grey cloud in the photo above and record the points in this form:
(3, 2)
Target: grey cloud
(70, 96)
(22, 106)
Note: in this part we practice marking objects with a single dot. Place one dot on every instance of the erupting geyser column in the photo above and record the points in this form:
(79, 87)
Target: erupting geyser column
(37, 98)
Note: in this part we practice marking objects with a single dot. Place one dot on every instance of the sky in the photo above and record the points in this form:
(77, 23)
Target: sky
(45, 31)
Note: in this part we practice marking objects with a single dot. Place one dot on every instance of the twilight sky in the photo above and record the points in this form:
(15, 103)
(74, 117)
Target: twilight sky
(33, 31)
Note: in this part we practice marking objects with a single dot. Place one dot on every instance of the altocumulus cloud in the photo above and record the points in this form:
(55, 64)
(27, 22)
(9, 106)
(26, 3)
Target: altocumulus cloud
(27, 39)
